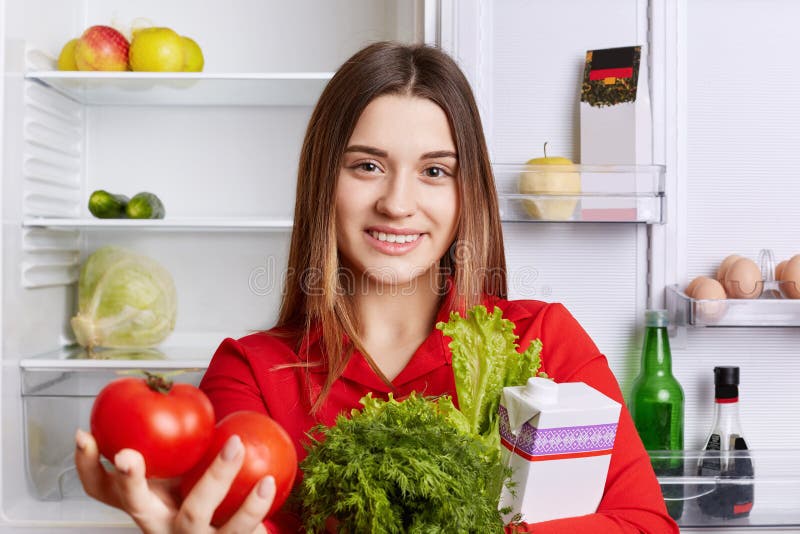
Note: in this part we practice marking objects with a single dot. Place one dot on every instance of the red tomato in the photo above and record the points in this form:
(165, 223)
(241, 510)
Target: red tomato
(268, 450)
(171, 425)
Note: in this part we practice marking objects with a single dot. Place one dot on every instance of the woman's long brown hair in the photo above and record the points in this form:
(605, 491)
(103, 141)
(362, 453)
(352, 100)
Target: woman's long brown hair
(314, 292)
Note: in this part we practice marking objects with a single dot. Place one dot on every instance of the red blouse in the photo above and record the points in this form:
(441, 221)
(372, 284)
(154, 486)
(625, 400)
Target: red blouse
(241, 377)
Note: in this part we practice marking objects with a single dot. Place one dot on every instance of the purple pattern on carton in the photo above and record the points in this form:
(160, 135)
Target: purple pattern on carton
(562, 440)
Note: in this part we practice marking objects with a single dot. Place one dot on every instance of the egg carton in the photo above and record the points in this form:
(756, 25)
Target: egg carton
(769, 302)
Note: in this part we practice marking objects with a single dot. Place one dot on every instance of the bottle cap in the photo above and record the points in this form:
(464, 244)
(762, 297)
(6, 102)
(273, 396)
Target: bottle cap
(726, 376)
(656, 318)
(726, 384)
(541, 390)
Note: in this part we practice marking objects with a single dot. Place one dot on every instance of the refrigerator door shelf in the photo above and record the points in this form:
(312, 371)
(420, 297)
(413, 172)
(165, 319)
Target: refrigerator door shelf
(685, 311)
(773, 488)
(581, 193)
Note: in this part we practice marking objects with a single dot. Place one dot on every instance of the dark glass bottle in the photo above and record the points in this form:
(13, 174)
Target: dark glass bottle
(657, 407)
(727, 457)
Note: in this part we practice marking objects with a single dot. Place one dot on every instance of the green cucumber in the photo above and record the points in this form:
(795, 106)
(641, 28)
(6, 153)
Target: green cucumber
(145, 206)
(105, 205)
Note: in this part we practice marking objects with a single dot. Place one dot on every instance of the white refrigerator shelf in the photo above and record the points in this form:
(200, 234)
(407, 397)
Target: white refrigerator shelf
(172, 224)
(186, 88)
(75, 359)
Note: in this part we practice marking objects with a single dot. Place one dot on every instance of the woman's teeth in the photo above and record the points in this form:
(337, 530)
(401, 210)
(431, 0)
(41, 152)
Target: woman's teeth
(394, 238)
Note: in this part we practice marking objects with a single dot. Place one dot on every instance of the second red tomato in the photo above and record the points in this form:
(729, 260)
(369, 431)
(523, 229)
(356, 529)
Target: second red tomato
(268, 450)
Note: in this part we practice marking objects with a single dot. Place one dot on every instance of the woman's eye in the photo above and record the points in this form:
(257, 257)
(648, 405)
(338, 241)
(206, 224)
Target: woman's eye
(435, 172)
(368, 167)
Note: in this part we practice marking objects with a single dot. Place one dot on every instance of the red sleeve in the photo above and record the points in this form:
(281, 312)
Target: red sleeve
(632, 500)
(231, 386)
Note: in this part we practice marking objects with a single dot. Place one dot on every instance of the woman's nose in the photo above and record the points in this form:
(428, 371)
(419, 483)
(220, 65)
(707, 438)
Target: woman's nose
(399, 198)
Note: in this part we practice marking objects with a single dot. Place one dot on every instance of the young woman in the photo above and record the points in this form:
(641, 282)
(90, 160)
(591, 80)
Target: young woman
(396, 224)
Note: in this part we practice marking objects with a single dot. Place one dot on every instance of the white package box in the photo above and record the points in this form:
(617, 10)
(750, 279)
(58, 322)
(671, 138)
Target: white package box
(558, 440)
(616, 127)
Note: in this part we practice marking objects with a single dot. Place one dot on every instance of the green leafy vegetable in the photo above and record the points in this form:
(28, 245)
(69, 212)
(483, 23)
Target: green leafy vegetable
(422, 465)
(400, 467)
(485, 360)
(125, 300)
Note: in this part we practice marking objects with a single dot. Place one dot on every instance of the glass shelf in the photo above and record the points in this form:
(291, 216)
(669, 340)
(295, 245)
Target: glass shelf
(769, 310)
(775, 487)
(169, 224)
(186, 88)
(581, 193)
(76, 359)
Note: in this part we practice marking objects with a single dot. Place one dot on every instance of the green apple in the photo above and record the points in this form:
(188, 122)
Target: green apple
(563, 179)
(156, 50)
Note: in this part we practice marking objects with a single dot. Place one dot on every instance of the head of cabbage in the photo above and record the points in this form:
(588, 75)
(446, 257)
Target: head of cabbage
(125, 300)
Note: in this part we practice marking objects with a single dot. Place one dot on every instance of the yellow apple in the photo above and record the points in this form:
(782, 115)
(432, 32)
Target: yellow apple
(192, 55)
(66, 59)
(563, 179)
(156, 50)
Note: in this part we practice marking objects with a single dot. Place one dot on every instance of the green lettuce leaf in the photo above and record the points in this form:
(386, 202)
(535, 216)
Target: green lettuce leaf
(486, 359)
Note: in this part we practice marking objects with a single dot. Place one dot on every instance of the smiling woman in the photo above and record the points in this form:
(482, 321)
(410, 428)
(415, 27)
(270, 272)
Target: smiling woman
(395, 145)
(396, 226)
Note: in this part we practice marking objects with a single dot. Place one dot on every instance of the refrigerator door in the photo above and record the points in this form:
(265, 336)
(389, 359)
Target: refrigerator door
(726, 138)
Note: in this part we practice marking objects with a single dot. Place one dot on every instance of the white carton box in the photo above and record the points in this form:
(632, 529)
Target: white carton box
(558, 440)
(616, 126)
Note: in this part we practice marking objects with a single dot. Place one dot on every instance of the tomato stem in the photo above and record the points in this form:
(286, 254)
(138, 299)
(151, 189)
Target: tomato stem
(158, 382)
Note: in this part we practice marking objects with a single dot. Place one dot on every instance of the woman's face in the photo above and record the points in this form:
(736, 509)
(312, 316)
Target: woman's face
(397, 197)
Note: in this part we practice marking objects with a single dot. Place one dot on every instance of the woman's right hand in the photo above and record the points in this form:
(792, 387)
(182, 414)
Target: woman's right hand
(155, 505)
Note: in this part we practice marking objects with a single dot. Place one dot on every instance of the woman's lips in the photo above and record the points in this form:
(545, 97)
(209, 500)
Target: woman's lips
(393, 249)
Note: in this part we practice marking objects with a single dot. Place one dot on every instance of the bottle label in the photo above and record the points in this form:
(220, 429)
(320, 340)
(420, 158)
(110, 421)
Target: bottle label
(711, 466)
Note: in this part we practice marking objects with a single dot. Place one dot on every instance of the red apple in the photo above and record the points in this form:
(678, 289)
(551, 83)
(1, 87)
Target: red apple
(102, 48)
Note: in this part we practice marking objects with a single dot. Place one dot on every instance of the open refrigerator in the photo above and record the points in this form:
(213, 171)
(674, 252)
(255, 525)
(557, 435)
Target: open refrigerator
(220, 149)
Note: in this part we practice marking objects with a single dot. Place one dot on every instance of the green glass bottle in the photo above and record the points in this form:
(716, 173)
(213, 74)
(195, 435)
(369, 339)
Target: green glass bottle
(656, 406)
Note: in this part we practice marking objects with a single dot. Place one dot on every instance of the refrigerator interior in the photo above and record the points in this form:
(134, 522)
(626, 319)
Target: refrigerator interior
(219, 148)
(222, 157)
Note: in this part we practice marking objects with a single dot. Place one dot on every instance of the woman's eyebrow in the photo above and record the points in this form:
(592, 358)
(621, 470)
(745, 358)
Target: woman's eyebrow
(440, 154)
(377, 152)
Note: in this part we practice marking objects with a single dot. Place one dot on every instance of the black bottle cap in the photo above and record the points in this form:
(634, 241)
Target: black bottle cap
(726, 376)
(726, 383)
